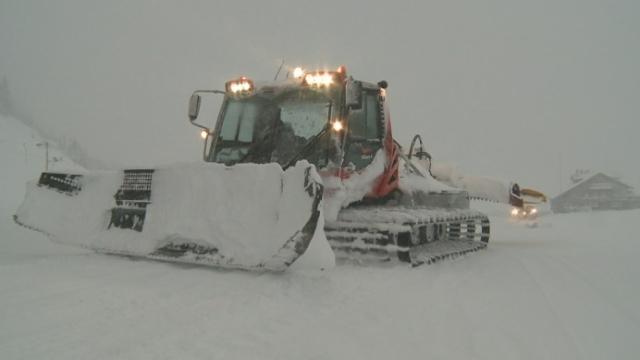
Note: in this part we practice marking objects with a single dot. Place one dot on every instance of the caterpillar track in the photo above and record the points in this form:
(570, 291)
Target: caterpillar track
(411, 235)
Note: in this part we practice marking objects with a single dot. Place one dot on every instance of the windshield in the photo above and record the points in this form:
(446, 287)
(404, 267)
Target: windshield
(260, 129)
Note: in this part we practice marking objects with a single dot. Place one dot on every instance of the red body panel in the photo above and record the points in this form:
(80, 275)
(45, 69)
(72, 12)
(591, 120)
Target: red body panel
(388, 181)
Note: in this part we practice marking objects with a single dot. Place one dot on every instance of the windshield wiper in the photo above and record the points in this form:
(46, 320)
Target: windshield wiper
(308, 145)
(312, 140)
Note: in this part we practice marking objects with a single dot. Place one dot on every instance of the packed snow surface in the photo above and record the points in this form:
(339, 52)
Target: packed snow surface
(566, 289)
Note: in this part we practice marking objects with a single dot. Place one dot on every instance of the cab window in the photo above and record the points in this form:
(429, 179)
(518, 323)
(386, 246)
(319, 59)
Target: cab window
(364, 123)
(365, 131)
(239, 121)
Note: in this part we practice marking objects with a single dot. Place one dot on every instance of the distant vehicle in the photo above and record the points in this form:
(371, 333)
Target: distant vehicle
(528, 210)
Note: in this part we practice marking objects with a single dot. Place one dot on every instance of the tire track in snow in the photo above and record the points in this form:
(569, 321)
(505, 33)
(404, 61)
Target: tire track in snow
(603, 295)
(569, 333)
(590, 323)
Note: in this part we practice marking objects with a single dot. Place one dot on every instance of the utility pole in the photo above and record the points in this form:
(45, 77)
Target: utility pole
(46, 154)
(561, 179)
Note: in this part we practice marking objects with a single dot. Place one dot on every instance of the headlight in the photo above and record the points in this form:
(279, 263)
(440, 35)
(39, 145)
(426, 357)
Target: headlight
(533, 211)
(337, 126)
(240, 86)
(298, 73)
(514, 212)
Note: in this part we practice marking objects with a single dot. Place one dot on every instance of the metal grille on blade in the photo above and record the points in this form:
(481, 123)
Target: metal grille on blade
(132, 199)
(67, 184)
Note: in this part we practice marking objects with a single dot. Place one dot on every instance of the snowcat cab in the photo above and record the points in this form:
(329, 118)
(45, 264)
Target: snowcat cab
(331, 120)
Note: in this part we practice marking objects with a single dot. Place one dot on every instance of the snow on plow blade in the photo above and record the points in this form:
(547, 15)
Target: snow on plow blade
(254, 217)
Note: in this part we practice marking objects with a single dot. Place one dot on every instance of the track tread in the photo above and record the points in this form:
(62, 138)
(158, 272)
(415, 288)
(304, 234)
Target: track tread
(414, 235)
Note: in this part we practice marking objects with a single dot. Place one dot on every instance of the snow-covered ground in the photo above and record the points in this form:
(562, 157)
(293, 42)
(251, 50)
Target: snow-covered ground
(567, 289)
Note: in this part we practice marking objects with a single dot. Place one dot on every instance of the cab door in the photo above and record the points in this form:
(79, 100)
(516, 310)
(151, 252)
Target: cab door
(364, 131)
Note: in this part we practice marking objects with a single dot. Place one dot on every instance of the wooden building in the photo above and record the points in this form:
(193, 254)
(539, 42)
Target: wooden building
(596, 192)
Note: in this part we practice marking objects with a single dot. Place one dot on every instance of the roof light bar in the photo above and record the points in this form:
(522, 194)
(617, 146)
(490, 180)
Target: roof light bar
(321, 78)
(241, 86)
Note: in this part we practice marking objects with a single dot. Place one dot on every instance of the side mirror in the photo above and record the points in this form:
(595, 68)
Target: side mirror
(353, 94)
(194, 107)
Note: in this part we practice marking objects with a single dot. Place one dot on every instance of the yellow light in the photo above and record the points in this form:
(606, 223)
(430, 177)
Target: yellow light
(204, 134)
(298, 72)
(337, 125)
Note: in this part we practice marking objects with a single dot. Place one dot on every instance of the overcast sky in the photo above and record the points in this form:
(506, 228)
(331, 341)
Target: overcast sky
(522, 90)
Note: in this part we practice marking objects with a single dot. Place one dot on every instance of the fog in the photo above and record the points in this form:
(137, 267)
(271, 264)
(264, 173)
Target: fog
(518, 90)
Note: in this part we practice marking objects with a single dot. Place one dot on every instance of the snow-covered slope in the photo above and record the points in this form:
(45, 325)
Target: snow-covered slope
(567, 289)
(23, 156)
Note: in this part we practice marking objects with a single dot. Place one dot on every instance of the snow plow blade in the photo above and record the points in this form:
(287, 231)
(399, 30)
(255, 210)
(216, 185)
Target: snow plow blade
(248, 216)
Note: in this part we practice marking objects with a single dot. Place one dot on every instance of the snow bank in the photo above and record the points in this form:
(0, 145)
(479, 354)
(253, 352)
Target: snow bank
(447, 177)
(410, 183)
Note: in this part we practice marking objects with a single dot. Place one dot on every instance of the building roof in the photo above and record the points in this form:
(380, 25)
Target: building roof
(604, 179)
